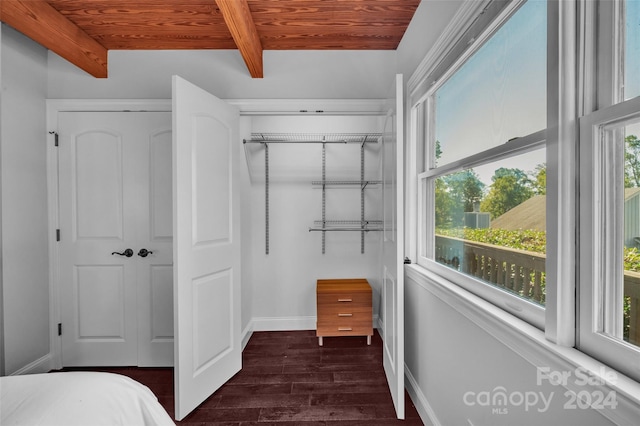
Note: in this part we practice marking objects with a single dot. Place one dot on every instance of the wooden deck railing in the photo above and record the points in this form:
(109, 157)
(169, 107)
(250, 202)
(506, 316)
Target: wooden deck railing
(521, 272)
(632, 291)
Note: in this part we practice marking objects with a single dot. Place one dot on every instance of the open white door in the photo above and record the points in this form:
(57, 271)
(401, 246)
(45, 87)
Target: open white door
(392, 305)
(206, 244)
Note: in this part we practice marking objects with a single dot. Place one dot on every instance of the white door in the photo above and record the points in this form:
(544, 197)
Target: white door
(115, 194)
(393, 247)
(206, 150)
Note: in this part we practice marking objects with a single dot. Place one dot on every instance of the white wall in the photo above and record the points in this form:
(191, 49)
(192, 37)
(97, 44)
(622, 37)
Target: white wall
(428, 23)
(246, 207)
(24, 201)
(448, 355)
(288, 74)
(284, 281)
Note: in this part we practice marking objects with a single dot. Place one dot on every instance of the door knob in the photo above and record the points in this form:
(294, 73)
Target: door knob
(128, 252)
(144, 252)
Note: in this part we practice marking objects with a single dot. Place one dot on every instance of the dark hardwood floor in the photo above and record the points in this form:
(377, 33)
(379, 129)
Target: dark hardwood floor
(287, 379)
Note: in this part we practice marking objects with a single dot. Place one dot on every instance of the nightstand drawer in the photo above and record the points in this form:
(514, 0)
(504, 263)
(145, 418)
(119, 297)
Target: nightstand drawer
(352, 312)
(347, 299)
(344, 330)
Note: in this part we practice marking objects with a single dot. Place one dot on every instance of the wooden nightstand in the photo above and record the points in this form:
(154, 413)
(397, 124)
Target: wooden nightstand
(344, 308)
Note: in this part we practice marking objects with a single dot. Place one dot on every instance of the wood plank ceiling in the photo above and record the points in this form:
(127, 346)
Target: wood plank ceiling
(82, 31)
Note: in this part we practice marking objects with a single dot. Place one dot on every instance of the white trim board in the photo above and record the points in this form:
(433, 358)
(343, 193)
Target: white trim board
(246, 106)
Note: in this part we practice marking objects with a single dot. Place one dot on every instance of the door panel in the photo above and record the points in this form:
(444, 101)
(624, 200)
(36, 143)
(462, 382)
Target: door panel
(206, 150)
(161, 212)
(109, 201)
(101, 294)
(393, 247)
(154, 232)
(96, 184)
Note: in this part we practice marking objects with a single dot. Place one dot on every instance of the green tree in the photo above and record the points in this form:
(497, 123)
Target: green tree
(632, 161)
(465, 189)
(443, 204)
(509, 188)
(456, 194)
(438, 151)
(540, 179)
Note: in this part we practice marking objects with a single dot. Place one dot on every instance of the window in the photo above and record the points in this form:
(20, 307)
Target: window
(491, 128)
(483, 192)
(610, 201)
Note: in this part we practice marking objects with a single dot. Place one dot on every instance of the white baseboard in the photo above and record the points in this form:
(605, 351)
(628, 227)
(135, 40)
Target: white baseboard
(427, 415)
(283, 323)
(41, 365)
(246, 334)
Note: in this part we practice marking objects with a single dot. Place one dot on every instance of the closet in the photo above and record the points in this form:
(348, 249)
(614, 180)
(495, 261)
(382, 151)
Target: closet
(303, 229)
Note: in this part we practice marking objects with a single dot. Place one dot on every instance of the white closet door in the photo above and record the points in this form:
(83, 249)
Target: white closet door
(392, 307)
(155, 234)
(105, 183)
(206, 148)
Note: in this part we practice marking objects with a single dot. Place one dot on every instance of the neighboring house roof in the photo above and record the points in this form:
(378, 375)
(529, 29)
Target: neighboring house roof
(531, 213)
(630, 192)
(528, 215)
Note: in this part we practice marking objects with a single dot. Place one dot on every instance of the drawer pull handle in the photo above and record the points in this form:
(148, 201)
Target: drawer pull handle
(345, 329)
(345, 300)
(345, 315)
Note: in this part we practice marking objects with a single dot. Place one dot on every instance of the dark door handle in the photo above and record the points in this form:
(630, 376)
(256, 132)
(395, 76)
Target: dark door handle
(144, 252)
(128, 252)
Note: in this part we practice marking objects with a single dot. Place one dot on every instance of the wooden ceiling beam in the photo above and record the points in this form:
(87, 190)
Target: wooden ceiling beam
(42, 23)
(238, 18)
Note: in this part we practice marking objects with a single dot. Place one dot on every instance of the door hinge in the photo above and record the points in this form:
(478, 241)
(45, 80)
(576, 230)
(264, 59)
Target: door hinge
(59, 329)
(57, 235)
(55, 137)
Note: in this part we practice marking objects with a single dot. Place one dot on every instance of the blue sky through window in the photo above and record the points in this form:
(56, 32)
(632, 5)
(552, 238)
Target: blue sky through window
(632, 53)
(499, 93)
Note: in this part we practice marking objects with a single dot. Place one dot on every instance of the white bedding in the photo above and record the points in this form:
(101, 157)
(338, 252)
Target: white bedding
(78, 398)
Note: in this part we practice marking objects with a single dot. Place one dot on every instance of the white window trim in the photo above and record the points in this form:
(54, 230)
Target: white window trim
(562, 80)
(600, 241)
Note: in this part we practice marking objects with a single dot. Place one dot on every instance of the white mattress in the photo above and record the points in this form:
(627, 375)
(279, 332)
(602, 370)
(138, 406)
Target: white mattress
(78, 398)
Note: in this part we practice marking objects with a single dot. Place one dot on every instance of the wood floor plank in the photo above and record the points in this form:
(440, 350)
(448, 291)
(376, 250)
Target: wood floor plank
(288, 380)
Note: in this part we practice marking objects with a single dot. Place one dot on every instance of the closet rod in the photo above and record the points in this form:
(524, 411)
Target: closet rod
(304, 141)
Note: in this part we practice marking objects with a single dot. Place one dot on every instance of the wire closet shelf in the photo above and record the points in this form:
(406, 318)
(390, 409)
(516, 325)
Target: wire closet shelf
(362, 225)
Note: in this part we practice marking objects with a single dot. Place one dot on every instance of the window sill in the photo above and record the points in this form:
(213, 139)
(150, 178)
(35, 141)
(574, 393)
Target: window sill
(530, 343)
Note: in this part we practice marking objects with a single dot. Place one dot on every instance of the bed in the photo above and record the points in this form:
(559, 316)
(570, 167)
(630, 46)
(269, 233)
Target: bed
(78, 398)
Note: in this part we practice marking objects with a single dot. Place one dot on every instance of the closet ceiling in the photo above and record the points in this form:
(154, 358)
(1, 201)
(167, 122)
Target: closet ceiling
(82, 31)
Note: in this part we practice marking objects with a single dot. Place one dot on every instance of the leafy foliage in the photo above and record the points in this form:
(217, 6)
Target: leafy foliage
(632, 259)
(540, 179)
(528, 240)
(632, 162)
(510, 188)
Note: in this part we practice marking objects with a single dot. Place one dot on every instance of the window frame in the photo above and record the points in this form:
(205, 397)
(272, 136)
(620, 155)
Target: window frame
(424, 128)
(605, 53)
(600, 240)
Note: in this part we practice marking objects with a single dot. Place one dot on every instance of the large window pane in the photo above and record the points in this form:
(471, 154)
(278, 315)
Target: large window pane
(499, 93)
(491, 223)
(632, 49)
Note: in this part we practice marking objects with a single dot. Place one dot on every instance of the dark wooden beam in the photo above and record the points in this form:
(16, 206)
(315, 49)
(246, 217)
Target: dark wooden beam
(42, 23)
(238, 18)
